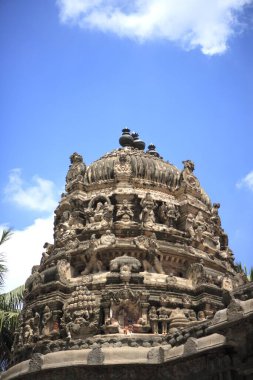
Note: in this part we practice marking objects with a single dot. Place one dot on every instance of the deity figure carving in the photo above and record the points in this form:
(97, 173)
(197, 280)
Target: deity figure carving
(124, 212)
(122, 167)
(28, 333)
(201, 316)
(177, 319)
(141, 242)
(168, 214)
(47, 319)
(187, 174)
(63, 268)
(164, 313)
(28, 327)
(202, 233)
(108, 238)
(147, 215)
(80, 315)
(76, 171)
(93, 265)
(153, 253)
(125, 274)
(62, 234)
(150, 245)
(36, 324)
(189, 225)
(215, 218)
(48, 251)
(199, 231)
(153, 318)
(99, 214)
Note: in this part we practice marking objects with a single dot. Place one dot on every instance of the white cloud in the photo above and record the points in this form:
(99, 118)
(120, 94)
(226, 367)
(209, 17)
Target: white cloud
(207, 24)
(24, 250)
(247, 181)
(39, 196)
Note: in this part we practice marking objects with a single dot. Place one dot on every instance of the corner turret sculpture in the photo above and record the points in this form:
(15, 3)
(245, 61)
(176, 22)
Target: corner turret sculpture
(139, 259)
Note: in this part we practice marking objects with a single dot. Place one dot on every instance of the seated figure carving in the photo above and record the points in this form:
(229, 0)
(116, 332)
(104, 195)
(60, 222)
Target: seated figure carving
(125, 213)
(99, 213)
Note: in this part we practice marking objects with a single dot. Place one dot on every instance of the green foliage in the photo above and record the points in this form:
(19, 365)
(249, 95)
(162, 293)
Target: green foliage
(10, 306)
(245, 270)
(250, 275)
(6, 234)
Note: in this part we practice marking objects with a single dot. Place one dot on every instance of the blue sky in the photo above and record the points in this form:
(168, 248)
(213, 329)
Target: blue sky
(73, 73)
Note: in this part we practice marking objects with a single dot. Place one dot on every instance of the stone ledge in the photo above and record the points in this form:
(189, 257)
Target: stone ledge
(107, 356)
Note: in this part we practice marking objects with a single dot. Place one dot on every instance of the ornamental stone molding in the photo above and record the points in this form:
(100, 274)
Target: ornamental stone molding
(139, 281)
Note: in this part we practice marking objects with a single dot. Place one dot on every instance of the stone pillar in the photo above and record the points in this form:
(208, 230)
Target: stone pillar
(106, 307)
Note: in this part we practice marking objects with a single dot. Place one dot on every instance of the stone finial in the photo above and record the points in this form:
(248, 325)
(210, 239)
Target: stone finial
(126, 139)
(137, 142)
(152, 150)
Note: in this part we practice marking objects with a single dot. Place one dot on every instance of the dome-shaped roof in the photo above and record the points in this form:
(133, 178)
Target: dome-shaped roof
(143, 165)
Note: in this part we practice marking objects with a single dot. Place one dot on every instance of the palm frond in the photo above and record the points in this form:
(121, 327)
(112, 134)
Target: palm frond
(250, 276)
(6, 234)
(13, 300)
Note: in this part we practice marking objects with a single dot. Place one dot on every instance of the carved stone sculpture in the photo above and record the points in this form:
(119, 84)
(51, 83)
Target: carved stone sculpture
(153, 317)
(177, 319)
(215, 214)
(80, 313)
(151, 260)
(124, 212)
(76, 171)
(93, 265)
(139, 259)
(147, 215)
(187, 174)
(47, 321)
(122, 167)
(99, 213)
(168, 214)
(108, 238)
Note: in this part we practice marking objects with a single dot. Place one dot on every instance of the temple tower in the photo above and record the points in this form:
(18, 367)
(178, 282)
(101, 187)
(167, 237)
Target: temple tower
(140, 281)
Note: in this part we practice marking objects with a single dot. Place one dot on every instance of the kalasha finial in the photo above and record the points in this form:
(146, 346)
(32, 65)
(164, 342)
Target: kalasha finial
(152, 150)
(126, 139)
(138, 143)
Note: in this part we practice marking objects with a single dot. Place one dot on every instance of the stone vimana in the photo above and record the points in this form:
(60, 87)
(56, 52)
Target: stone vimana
(140, 282)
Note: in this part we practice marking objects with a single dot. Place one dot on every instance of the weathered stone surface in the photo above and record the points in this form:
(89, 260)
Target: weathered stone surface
(139, 272)
(95, 357)
(35, 362)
